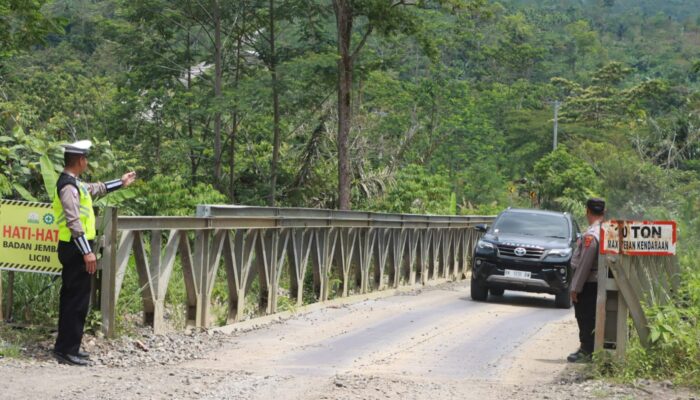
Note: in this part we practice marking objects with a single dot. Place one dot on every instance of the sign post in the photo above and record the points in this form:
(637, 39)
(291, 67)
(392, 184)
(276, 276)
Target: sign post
(637, 268)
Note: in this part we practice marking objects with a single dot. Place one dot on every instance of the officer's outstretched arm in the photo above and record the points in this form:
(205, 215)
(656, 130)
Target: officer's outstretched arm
(100, 189)
(126, 180)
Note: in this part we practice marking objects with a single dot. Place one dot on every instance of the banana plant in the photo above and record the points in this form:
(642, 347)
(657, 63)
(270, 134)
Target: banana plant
(19, 154)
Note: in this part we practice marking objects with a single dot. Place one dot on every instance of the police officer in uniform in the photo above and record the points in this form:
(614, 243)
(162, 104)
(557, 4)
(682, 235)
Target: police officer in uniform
(72, 205)
(584, 285)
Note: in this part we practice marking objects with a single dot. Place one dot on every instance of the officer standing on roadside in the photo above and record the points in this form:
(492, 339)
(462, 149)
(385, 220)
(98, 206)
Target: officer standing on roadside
(72, 205)
(584, 285)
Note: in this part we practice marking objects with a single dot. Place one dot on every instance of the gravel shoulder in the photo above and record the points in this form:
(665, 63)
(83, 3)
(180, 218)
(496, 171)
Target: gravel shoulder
(428, 343)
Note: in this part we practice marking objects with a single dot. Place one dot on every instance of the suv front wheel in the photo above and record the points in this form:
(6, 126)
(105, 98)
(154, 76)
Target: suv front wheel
(496, 291)
(563, 299)
(479, 292)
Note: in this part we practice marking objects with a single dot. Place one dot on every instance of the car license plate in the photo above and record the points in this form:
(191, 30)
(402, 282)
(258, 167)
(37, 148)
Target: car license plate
(518, 274)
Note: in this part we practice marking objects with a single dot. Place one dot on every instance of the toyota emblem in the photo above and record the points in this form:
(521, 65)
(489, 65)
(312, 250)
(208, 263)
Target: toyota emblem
(519, 251)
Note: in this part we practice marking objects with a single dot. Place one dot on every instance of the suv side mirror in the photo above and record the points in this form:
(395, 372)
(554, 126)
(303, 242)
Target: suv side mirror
(481, 227)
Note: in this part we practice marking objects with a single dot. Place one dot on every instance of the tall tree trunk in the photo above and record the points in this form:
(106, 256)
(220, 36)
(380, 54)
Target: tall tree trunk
(157, 147)
(343, 16)
(190, 129)
(234, 123)
(216, 14)
(275, 109)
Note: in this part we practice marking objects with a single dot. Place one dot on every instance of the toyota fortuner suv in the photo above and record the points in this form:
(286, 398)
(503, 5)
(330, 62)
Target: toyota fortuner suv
(525, 250)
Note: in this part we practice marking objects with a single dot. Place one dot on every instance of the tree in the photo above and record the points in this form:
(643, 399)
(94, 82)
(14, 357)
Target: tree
(275, 107)
(267, 50)
(563, 181)
(632, 187)
(516, 54)
(581, 41)
(179, 55)
(344, 16)
(418, 192)
(603, 102)
(387, 17)
(23, 25)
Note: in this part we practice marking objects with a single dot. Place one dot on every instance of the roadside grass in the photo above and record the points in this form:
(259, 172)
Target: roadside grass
(14, 339)
(34, 311)
(9, 350)
(35, 296)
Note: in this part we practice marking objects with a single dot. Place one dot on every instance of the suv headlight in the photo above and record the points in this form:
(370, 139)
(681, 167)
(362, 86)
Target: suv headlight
(485, 245)
(559, 252)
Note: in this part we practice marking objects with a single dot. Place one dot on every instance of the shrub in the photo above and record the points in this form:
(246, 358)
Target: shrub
(418, 192)
(172, 195)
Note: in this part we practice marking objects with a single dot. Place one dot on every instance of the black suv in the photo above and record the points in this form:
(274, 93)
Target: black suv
(526, 250)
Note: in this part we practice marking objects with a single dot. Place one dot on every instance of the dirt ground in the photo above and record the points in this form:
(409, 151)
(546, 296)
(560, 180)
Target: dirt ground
(430, 343)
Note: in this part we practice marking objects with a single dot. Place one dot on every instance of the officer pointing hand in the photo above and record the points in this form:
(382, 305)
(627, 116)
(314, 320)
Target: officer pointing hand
(128, 178)
(72, 205)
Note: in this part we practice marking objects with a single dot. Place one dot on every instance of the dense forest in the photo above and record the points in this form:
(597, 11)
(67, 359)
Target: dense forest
(425, 107)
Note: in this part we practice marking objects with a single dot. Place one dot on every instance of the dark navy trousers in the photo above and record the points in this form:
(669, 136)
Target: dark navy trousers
(74, 300)
(585, 315)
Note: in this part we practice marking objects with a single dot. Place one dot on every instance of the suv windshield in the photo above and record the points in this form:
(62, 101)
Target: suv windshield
(532, 224)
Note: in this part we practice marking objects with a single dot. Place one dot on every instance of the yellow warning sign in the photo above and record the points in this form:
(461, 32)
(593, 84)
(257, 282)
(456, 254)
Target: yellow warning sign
(29, 237)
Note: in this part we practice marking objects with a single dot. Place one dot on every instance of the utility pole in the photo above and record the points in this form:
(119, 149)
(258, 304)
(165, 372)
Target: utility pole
(557, 105)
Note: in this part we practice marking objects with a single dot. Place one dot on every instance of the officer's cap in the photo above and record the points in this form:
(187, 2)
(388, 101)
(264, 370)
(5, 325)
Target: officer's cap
(596, 205)
(81, 147)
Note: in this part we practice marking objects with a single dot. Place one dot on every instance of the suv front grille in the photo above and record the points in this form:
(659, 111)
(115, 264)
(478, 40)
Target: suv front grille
(508, 249)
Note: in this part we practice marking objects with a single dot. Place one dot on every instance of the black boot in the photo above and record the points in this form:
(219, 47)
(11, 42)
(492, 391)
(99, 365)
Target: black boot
(580, 356)
(69, 359)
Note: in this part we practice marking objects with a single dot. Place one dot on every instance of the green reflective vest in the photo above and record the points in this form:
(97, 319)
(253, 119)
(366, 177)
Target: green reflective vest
(87, 214)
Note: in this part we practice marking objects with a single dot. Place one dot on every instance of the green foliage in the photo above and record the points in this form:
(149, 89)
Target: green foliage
(14, 339)
(23, 25)
(564, 182)
(31, 161)
(165, 195)
(9, 349)
(459, 87)
(632, 188)
(581, 41)
(285, 303)
(22, 156)
(48, 174)
(115, 199)
(35, 297)
(93, 321)
(484, 209)
(417, 192)
(24, 194)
